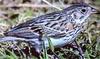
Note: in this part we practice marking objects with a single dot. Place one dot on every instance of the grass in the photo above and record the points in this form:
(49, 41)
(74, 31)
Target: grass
(89, 40)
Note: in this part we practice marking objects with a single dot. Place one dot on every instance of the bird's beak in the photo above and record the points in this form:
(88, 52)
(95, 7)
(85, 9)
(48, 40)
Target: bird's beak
(96, 11)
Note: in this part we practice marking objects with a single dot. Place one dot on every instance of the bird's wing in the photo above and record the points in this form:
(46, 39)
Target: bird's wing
(38, 20)
(25, 32)
(29, 29)
(33, 32)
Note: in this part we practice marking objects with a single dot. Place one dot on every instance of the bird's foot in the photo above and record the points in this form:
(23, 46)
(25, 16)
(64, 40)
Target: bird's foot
(79, 49)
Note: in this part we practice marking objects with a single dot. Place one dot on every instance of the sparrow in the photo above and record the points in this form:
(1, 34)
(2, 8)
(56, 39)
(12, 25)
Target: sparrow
(62, 27)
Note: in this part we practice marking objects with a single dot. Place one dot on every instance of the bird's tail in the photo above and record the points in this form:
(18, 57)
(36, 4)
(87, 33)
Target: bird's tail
(9, 38)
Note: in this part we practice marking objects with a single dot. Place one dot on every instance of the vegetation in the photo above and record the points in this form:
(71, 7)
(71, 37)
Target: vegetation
(13, 12)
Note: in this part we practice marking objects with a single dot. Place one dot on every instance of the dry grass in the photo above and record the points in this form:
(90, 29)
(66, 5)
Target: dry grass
(13, 12)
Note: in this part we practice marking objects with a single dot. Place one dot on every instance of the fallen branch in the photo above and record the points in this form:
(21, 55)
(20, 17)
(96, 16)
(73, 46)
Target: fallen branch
(30, 5)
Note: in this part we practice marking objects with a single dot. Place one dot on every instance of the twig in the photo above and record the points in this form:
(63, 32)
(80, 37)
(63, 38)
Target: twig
(61, 1)
(52, 5)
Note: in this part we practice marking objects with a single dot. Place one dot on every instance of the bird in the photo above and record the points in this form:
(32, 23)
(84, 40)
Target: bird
(62, 27)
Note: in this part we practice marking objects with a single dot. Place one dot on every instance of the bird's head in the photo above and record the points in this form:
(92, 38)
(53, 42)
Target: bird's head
(80, 12)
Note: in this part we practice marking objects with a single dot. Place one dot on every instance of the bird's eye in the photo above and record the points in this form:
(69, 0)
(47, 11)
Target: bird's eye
(83, 10)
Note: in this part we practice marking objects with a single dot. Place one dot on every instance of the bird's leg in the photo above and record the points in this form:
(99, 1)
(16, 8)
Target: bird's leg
(37, 45)
(75, 45)
(55, 55)
(44, 37)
